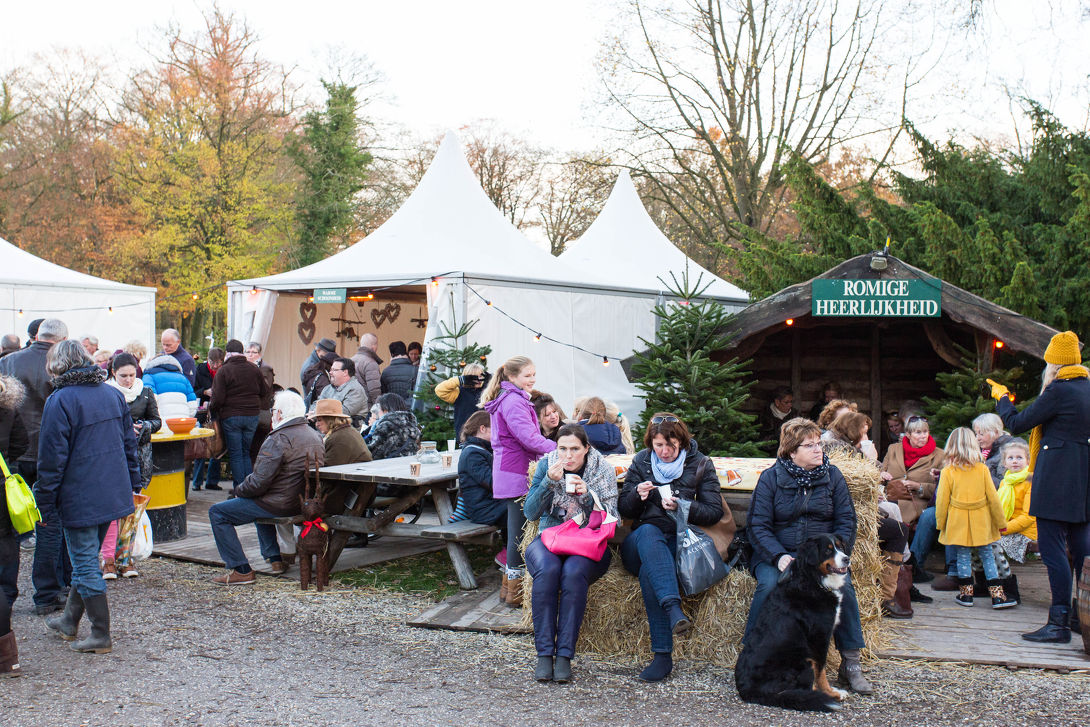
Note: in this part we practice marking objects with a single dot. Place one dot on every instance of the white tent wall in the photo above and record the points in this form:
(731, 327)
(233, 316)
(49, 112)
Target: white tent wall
(84, 311)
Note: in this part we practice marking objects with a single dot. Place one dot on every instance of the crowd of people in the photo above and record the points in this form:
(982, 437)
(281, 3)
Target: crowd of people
(80, 430)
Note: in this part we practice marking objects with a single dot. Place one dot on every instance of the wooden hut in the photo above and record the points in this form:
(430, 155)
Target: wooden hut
(876, 325)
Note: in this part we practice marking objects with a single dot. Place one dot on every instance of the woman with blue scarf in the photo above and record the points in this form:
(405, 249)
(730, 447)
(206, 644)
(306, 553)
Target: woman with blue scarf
(669, 458)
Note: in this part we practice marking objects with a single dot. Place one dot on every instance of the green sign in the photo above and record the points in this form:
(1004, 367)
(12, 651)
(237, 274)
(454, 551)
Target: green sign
(876, 298)
(329, 295)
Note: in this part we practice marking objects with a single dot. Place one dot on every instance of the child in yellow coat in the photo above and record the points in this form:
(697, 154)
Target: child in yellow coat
(1014, 494)
(969, 516)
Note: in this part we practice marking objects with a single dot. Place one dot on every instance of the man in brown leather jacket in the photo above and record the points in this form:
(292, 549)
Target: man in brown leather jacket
(271, 490)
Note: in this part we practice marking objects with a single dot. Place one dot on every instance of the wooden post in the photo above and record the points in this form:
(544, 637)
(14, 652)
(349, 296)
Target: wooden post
(796, 363)
(876, 417)
(458, 556)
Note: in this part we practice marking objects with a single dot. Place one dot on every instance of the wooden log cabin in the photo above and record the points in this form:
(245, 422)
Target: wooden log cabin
(877, 326)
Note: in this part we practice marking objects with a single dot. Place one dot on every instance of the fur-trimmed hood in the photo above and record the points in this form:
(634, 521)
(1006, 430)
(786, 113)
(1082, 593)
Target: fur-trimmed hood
(12, 392)
(164, 361)
(79, 377)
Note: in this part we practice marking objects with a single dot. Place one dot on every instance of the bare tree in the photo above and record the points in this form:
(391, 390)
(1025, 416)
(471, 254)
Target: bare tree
(721, 94)
(572, 195)
(509, 170)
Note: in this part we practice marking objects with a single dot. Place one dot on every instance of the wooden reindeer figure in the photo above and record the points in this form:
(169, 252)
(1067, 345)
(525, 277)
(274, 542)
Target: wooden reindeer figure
(313, 539)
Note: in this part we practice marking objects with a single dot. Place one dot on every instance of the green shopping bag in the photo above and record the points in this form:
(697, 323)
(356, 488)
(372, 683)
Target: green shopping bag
(21, 506)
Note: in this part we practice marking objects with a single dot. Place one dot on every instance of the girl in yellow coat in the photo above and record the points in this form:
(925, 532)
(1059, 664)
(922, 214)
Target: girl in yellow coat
(969, 515)
(1014, 494)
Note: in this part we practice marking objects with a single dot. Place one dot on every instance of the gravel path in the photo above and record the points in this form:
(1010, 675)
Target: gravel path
(187, 652)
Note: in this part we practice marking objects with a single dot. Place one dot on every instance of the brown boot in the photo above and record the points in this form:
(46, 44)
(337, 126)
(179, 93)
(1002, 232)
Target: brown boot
(514, 592)
(903, 596)
(9, 656)
(891, 566)
(504, 589)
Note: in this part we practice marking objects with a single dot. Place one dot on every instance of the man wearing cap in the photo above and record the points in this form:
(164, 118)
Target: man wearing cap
(325, 344)
(1060, 460)
(316, 377)
(344, 387)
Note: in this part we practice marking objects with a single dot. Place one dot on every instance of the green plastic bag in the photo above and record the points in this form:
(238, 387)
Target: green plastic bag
(21, 506)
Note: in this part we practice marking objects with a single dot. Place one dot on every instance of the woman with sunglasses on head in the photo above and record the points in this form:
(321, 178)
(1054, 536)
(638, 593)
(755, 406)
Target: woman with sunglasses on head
(669, 458)
(801, 496)
(908, 469)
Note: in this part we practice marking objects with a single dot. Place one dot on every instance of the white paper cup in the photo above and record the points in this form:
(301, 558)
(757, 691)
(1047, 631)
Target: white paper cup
(665, 491)
(448, 459)
(450, 445)
(569, 483)
(414, 469)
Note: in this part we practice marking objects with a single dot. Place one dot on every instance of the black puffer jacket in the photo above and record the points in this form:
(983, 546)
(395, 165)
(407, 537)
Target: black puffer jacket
(782, 514)
(399, 378)
(707, 508)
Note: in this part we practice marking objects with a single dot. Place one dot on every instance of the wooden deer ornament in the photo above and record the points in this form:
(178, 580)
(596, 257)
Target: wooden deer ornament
(313, 540)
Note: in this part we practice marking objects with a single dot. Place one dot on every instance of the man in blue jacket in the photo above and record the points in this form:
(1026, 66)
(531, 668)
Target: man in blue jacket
(172, 346)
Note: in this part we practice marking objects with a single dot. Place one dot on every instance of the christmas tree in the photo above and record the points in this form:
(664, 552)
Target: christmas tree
(677, 373)
(446, 358)
(966, 394)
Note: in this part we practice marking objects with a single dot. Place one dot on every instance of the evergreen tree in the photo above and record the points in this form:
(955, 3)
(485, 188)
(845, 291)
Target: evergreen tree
(966, 394)
(446, 358)
(334, 167)
(677, 374)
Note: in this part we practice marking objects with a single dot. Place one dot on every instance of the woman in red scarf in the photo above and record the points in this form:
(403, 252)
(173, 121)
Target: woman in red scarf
(907, 469)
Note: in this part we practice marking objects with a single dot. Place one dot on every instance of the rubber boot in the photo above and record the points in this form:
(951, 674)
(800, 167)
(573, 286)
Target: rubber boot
(543, 671)
(98, 613)
(562, 670)
(9, 656)
(850, 672)
(66, 623)
(1056, 631)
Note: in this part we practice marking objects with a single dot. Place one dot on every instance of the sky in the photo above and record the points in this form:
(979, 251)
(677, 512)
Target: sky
(531, 66)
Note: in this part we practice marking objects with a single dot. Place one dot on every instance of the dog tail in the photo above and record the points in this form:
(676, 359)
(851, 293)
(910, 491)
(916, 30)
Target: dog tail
(803, 700)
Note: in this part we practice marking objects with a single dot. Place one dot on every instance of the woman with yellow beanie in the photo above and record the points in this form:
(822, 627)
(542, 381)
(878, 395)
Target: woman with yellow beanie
(1060, 460)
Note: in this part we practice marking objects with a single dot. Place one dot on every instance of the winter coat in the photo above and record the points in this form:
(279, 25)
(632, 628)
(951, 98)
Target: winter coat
(994, 462)
(1061, 474)
(604, 437)
(186, 364)
(545, 494)
(88, 465)
(238, 389)
(13, 434)
(967, 508)
(464, 398)
(1021, 521)
(315, 378)
(269, 375)
(277, 480)
(395, 434)
(475, 483)
(307, 363)
(345, 445)
(516, 441)
(399, 378)
(707, 508)
(367, 373)
(202, 386)
(351, 395)
(144, 410)
(894, 463)
(28, 366)
(173, 392)
(783, 515)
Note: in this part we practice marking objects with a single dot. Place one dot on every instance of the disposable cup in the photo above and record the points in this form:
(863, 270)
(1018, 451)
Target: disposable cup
(569, 483)
(450, 445)
(414, 469)
(665, 491)
(448, 459)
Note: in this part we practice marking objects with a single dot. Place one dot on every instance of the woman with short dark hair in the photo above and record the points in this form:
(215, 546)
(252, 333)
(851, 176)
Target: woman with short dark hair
(669, 458)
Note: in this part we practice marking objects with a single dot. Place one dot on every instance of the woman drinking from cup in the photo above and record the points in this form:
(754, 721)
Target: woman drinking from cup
(669, 467)
(561, 490)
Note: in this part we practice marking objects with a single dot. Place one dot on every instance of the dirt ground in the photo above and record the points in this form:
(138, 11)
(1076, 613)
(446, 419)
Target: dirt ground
(188, 652)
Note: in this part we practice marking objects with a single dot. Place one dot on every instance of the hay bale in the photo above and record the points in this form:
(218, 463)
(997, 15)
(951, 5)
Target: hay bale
(615, 624)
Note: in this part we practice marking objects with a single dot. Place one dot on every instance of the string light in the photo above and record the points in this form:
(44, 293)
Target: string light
(20, 312)
(790, 321)
(998, 344)
(253, 290)
(537, 336)
(435, 282)
(488, 303)
(195, 296)
(605, 360)
(111, 310)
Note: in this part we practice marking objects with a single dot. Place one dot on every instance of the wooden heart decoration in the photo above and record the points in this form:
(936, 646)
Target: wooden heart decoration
(307, 327)
(384, 315)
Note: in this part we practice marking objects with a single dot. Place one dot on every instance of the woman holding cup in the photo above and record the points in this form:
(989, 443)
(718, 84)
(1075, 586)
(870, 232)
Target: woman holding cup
(668, 468)
(560, 490)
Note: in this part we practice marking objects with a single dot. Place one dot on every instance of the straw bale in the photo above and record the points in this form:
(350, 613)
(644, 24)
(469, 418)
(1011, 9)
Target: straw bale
(615, 624)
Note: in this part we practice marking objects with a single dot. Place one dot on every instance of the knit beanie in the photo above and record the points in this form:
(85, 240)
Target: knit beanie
(1063, 350)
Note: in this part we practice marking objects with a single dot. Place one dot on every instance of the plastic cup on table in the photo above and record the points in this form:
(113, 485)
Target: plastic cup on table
(450, 445)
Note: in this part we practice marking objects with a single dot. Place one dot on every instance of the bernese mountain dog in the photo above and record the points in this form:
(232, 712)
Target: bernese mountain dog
(783, 663)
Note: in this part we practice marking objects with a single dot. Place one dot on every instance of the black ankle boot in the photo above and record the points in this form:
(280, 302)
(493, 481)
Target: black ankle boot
(543, 672)
(562, 670)
(659, 668)
(1056, 631)
(919, 575)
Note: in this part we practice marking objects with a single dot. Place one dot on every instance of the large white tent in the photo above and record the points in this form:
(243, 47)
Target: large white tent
(34, 288)
(449, 230)
(625, 240)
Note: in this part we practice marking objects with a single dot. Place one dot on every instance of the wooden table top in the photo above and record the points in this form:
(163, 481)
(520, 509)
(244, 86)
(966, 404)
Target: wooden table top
(168, 436)
(394, 471)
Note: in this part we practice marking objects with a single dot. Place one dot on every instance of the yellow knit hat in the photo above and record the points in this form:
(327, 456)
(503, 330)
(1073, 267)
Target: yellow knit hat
(1063, 350)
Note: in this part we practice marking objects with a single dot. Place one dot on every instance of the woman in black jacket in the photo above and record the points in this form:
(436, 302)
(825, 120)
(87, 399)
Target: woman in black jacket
(669, 459)
(801, 496)
(1060, 461)
(13, 443)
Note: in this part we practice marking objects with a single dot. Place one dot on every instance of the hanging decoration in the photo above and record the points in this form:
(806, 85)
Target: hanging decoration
(307, 327)
(383, 315)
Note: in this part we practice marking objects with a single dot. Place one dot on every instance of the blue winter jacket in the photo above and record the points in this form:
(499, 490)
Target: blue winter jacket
(164, 375)
(475, 483)
(605, 437)
(88, 464)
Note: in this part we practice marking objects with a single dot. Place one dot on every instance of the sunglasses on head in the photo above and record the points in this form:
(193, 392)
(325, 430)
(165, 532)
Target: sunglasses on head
(660, 420)
(917, 418)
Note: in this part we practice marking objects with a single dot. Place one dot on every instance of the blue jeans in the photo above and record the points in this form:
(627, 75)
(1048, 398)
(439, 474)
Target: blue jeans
(559, 596)
(205, 472)
(224, 516)
(83, 547)
(647, 552)
(849, 631)
(51, 570)
(238, 434)
(924, 540)
(965, 561)
(1055, 539)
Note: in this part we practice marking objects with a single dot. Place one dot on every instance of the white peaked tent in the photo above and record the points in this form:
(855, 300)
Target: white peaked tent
(34, 288)
(449, 230)
(625, 240)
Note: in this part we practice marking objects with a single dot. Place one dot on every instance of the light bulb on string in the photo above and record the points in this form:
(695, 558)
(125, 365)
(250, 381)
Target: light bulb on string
(195, 296)
(253, 290)
(20, 312)
(111, 310)
(790, 321)
(488, 303)
(998, 344)
(605, 360)
(435, 282)
(537, 336)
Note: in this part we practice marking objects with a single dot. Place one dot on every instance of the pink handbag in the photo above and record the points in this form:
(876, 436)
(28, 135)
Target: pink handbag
(568, 538)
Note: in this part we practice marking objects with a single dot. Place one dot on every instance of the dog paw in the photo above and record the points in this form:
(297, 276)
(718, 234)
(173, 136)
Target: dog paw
(840, 694)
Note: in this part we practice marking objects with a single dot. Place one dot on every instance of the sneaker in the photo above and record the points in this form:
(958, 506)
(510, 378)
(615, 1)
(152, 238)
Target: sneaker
(501, 558)
(211, 487)
(278, 567)
(109, 570)
(127, 571)
(915, 596)
(233, 578)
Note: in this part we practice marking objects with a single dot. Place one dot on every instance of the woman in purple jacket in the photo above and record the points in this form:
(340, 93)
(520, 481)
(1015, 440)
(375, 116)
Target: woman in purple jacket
(516, 442)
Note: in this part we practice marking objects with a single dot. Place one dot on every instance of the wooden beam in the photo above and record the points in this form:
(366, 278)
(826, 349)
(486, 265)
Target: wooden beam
(944, 347)
(796, 362)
